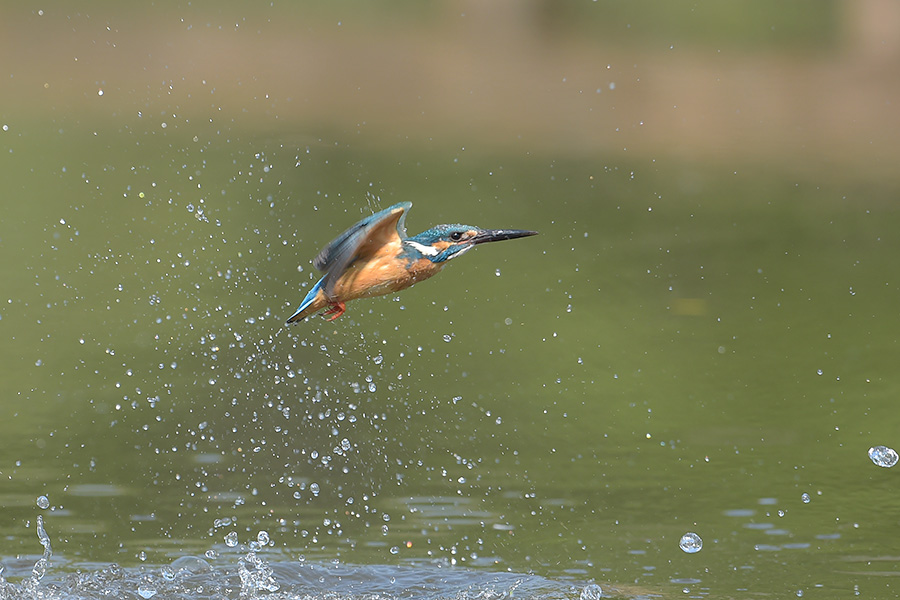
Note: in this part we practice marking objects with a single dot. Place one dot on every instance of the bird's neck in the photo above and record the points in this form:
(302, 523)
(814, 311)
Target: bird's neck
(418, 249)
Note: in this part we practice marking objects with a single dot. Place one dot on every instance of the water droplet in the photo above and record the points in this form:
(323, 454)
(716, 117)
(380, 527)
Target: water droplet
(691, 543)
(314, 488)
(231, 540)
(447, 337)
(43, 502)
(804, 497)
(883, 456)
(263, 538)
(146, 593)
(591, 591)
(395, 550)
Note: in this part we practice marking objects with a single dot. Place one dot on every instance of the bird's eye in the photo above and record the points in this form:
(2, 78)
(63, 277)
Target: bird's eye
(456, 236)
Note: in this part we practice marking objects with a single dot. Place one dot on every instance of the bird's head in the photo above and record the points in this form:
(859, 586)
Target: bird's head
(443, 242)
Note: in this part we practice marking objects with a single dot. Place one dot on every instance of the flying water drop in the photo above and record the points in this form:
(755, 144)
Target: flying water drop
(691, 543)
(883, 456)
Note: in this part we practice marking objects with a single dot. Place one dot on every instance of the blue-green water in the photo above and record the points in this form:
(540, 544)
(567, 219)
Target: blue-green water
(689, 345)
(567, 405)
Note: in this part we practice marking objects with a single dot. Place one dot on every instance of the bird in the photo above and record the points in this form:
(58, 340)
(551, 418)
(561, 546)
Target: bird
(375, 257)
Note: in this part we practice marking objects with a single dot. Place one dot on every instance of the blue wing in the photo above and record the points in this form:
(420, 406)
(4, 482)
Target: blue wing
(358, 243)
(310, 297)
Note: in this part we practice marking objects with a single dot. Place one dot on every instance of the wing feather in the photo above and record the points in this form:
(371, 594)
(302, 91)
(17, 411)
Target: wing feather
(360, 242)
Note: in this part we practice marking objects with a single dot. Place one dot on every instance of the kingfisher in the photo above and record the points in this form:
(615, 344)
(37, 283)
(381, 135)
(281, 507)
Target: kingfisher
(376, 257)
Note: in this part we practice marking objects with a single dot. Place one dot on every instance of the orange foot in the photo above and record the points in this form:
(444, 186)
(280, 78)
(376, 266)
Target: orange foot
(336, 309)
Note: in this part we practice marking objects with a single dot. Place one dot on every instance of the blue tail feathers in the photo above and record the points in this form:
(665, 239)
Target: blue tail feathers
(310, 298)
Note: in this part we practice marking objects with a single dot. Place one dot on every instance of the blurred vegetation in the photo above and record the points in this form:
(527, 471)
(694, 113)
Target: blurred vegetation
(751, 25)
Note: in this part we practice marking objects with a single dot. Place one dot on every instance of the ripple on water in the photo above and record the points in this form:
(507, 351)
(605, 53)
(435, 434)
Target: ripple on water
(96, 490)
(191, 577)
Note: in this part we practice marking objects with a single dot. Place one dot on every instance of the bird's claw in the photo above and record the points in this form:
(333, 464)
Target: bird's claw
(336, 309)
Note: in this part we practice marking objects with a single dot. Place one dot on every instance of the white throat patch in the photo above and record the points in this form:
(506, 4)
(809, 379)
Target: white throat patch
(422, 248)
(461, 251)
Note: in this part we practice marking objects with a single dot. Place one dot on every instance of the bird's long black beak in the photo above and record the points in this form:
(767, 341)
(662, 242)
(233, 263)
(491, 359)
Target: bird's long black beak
(496, 235)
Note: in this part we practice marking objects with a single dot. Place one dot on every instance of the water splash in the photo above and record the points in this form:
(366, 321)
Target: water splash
(255, 573)
(189, 577)
(40, 567)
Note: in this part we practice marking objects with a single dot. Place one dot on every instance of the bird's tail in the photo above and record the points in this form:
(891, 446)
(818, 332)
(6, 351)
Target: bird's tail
(314, 301)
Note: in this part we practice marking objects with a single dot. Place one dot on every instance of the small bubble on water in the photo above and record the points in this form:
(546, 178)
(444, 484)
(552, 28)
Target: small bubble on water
(591, 591)
(231, 540)
(43, 502)
(883, 456)
(145, 592)
(690, 543)
(804, 497)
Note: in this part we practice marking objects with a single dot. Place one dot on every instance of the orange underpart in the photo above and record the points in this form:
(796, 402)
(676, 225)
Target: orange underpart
(336, 309)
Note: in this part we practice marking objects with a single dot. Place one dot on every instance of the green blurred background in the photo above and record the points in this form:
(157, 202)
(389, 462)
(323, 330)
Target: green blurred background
(705, 329)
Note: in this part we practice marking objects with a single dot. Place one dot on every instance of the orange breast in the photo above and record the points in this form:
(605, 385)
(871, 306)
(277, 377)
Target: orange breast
(382, 274)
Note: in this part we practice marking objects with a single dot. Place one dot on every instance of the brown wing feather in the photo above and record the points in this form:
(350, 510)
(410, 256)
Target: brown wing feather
(360, 243)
